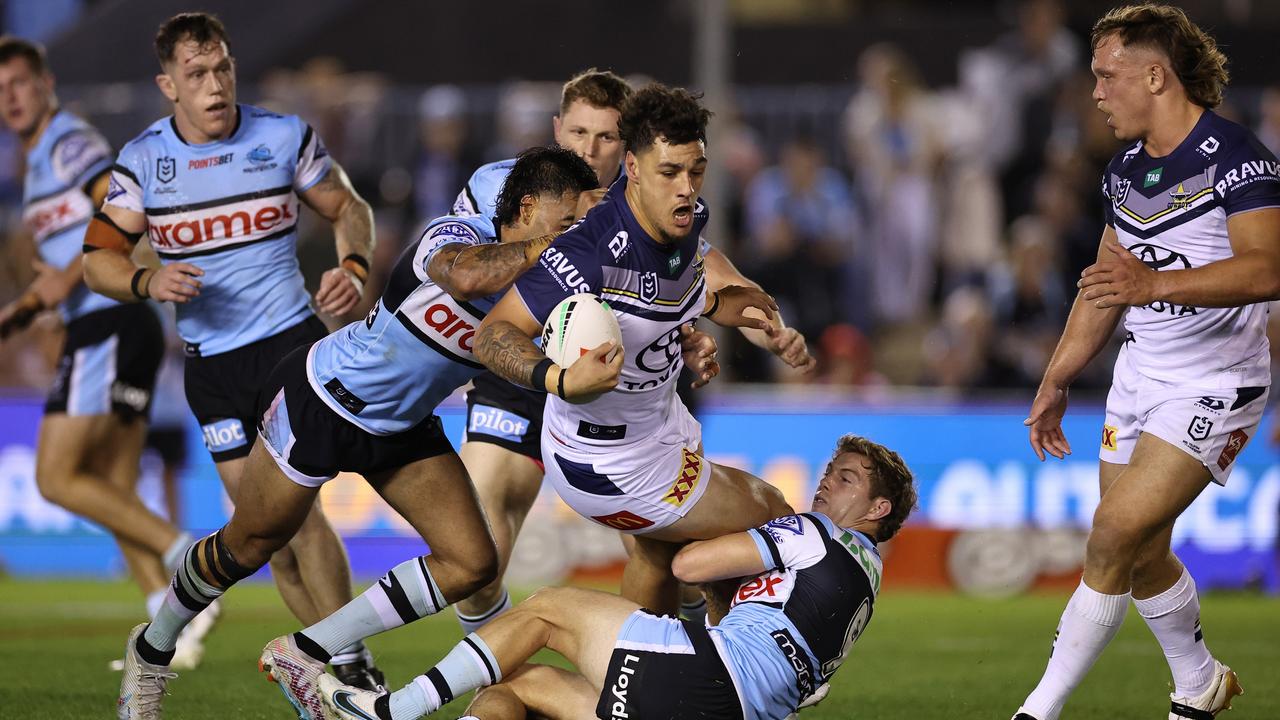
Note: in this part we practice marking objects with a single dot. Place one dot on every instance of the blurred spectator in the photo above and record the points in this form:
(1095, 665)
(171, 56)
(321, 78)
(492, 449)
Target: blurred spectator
(1268, 129)
(845, 358)
(521, 118)
(959, 350)
(800, 220)
(894, 150)
(1030, 305)
(442, 165)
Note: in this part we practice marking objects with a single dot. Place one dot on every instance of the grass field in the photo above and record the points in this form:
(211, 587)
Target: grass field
(923, 656)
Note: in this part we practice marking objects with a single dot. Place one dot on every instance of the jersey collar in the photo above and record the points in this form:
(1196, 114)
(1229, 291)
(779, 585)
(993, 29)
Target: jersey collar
(173, 125)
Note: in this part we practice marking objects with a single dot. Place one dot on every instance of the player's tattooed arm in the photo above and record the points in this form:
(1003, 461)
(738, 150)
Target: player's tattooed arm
(334, 199)
(509, 353)
(468, 272)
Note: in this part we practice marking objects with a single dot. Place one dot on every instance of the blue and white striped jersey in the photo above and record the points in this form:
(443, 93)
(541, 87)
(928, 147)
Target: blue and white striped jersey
(56, 206)
(789, 629)
(229, 207)
(388, 372)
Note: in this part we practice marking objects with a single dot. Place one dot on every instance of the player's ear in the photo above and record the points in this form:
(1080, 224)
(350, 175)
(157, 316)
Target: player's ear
(165, 83)
(880, 507)
(1156, 78)
(528, 206)
(632, 165)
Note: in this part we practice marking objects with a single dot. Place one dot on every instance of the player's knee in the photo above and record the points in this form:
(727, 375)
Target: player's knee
(1109, 543)
(474, 570)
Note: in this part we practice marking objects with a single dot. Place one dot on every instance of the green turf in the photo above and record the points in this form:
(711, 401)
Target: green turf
(923, 656)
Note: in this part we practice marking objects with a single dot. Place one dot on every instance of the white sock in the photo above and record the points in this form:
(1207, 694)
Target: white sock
(1174, 618)
(1088, 624)
(177, 549)
(472, 623)
(154, 601)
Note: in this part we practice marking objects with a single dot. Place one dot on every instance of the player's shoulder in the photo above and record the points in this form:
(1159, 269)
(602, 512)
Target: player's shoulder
(259, 121)
(592, 234)
(462, 228)
(491, 173)
(1228, 139)
(148, 141)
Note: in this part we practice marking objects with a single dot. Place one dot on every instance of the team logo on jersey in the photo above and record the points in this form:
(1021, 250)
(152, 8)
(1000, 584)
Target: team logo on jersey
(649, 286)
(1158, 258)
(1121, 192)
(260, 158)
(1199, 428)
(623, 520)
(1109, 437)
(690, 473)
(1235, 443)
(1152, 177)
(166, 169)
(1180, 197)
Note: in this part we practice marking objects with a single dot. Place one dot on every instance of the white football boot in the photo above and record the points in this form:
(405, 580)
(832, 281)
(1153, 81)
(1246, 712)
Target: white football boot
(1209, 703)
(296, 674)
(347, 702)
(142, 688)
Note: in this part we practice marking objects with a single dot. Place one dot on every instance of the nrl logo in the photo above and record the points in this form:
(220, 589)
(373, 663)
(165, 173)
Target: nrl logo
(649, 287)
(166, 169)
(1121, 192)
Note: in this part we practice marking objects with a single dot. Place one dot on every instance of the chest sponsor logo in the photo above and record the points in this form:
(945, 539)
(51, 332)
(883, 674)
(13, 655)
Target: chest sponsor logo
(1109, 437)
(660, 357)
(619, 709)
(215, 161)
(649, 286)
(565, 273)
(1199, 428)
(1152, 177)
(623, 520)
(223, 435)
(771, 587)
(55, 214)
(1235, 443)
(690, 474)
(225, 225)
(496, 422)
(447, 323)
(673, 263)
(166, 169)
(1160, 258)
(799, 661)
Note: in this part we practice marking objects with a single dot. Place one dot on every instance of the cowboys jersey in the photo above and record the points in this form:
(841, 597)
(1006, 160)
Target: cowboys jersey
(230, 207)
(386, 373)
(1171, 212)
(790, 628)
(56, 207)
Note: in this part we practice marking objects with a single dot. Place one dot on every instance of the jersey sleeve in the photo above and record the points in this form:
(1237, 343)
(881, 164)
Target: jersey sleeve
(80, 156)
(313, 161)
(792, 541)
(1108, 207)
(569, 266)
(448, 233)
(128, 177)
(1251, 180)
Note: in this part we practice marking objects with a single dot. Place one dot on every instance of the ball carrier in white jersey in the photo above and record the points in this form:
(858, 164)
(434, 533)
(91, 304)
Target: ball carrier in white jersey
(805, 589)
(631, 458)
(95, 422)
(362, 400)
(503, 445)
(1188, 259)
(215, 188)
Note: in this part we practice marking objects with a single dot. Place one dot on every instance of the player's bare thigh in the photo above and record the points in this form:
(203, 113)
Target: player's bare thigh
(545, 691)
(66, 442)
(733, 501)
(269, 509)
(507, 484)
(584, 625)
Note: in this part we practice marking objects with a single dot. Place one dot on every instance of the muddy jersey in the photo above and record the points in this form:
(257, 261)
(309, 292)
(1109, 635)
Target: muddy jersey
(790, 628)
(230, 207)
(388, 372)
(652, 288)
(1171, 212)
(56, 207)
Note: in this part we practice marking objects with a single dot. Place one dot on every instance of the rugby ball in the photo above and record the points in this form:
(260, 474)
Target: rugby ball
(578, 325)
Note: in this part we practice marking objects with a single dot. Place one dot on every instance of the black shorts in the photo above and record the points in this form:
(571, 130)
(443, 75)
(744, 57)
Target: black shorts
(109, 363)
(223, 390)
(665, 681)
(170, 443)
(505, 415)
(311, 443)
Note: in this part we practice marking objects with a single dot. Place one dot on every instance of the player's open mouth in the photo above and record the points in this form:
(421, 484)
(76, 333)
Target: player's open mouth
(216, 107)
(683, 216)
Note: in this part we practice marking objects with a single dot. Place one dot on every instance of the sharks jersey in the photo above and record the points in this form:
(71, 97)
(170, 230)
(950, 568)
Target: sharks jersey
(69, 156)
(789, 629)
(1172, 213)
(480, 195)
(652, 288)
(229, 207)
(387, 373)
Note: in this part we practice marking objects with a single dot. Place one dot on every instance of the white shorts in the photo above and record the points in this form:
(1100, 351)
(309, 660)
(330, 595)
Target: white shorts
(1207, 421)
(637, 487)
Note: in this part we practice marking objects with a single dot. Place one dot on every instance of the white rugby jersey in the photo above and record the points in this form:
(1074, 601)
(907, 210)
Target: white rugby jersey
(1171, 212)
(652, 288)
(229, 207)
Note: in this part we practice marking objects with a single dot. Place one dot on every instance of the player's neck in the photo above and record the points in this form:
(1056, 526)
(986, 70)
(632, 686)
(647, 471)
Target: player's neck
(1171, 129)
(30, 139)
(648, 227)
(192, 135)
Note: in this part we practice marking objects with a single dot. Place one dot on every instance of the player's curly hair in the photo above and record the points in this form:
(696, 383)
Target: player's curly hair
(657, 111)
(890, 479)
(15, 47)
(1194, 55)
(540, 170)
(203, 28)
(598, 88)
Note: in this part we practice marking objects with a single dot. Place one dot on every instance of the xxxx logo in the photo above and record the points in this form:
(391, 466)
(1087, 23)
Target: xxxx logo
(688, 480)
(1108, 437)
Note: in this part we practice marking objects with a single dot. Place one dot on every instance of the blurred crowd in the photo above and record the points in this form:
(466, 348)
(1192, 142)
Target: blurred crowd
(917, 236)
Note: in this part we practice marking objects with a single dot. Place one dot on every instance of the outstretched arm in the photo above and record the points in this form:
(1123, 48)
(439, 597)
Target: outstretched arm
(468, 272)
(334, 199)
(722, 558)
(785, 342)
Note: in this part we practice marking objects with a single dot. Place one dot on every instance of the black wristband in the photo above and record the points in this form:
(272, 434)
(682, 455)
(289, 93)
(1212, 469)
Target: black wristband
(360, 262)
(560, 386)
(133, 284)
(715, 305)
(539, 378)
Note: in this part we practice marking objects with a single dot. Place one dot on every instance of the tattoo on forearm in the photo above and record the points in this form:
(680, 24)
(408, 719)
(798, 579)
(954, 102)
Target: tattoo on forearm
(354, 230)
(509, 353)
(492, 267)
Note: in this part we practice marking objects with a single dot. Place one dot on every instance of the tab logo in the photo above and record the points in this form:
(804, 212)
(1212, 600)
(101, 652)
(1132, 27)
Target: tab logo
(1152, 177)
(223, 435)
